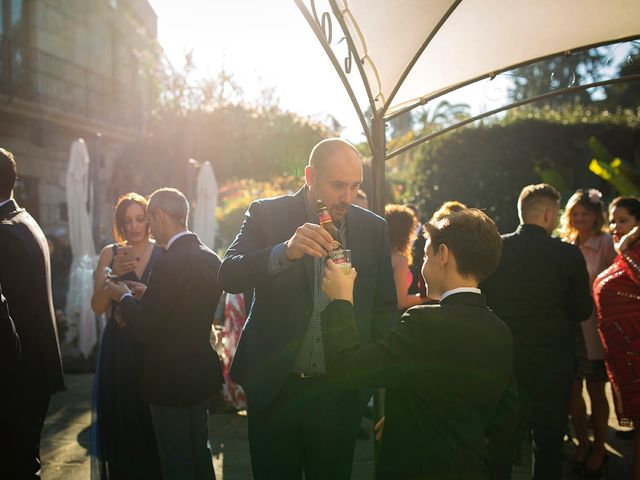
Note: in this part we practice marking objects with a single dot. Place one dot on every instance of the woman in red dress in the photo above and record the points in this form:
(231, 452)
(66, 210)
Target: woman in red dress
(617, 295)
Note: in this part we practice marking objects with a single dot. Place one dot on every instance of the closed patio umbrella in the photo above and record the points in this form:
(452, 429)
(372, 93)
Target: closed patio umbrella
(204, 218)
(82, 322)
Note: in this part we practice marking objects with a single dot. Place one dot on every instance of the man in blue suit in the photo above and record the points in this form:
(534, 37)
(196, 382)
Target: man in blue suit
(298, 420)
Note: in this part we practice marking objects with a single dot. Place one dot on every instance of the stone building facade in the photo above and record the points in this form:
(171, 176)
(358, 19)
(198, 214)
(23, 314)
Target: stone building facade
(72, 69)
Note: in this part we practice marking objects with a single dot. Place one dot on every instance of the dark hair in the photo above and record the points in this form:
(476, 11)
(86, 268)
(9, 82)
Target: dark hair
(589, 199)
(531, 195)
(326, 148)
(632, 204)
(473, 239)
(402, 228)
(446, 209)
(120, 210)
(8, 173)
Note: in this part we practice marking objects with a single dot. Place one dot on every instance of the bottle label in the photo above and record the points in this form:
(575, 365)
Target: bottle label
(338, 256)
(324, 217)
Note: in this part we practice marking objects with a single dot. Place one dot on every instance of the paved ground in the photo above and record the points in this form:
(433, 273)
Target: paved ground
(66, 439)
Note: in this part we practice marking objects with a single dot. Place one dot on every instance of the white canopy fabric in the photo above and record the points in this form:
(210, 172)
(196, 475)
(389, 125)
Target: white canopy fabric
(414, 49)
(204, 218)
(82, 321)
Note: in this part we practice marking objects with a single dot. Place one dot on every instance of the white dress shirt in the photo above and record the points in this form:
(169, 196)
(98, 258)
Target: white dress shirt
(459, 290)
(175, 237)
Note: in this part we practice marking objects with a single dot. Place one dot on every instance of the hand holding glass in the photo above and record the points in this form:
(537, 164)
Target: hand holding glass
(338, 281)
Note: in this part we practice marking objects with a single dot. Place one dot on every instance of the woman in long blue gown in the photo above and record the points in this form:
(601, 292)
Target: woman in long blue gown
(123, 443)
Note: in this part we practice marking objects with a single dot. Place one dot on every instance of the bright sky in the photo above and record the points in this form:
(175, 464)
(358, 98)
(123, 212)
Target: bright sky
(268, 43)
(264, 43)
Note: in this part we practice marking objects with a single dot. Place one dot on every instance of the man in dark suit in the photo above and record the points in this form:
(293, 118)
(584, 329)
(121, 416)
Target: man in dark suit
(540, 289)
(298, 421)
(173, 318)
(9, 340)
(447, 368)
(25, 275)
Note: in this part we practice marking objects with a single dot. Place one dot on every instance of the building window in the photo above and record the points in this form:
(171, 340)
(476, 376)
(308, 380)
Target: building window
(11, 18)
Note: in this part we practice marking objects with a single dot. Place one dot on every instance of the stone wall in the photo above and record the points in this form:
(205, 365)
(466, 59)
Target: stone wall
(101, 36)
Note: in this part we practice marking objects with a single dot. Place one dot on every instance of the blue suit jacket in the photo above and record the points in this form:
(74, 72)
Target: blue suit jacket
(283, 303)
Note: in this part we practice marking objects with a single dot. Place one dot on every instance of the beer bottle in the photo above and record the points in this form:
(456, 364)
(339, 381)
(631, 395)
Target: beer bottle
(327, 223)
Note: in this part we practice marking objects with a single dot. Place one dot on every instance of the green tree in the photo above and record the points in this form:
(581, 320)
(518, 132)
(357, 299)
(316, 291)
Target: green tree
(208, 119)
(558, 72)
(487, 166)
(627, 94)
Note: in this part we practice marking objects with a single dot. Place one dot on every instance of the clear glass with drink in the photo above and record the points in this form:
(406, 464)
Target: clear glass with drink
(342, 258)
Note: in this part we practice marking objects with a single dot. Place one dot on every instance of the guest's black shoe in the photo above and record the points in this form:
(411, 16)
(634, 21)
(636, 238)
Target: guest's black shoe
(598, 473)
(362, 435)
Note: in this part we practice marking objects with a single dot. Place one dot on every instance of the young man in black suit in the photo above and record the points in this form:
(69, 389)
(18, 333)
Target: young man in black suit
(447, 368)
(25, 275)
(541, 289)
(173, 318)
(298, 421)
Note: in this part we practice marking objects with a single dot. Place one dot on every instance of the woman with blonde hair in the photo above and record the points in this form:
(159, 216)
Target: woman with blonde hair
(123, 443)
(402, 232)
(583, 224)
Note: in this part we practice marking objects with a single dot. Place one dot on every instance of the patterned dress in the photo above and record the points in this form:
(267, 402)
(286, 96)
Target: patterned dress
(235, 315)
(617, 295)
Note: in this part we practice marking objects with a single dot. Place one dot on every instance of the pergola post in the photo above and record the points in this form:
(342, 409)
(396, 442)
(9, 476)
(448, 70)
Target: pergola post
(378, 150)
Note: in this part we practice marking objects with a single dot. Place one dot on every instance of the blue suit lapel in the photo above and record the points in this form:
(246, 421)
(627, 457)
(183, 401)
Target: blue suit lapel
(299, 217)
(356, 238)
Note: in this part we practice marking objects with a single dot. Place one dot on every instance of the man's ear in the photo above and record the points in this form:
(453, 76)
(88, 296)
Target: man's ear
(309, 175)
(548, 216)
(443, 254)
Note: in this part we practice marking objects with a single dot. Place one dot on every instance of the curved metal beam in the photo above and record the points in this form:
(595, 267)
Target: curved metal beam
(327, 48)
(338, 14)
(561, 91)
(424, 100)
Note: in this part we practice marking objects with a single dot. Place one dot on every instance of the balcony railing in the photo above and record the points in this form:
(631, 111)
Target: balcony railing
(31, 74)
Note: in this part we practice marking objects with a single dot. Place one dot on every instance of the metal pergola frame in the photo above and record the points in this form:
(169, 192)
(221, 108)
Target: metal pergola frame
(375, 131)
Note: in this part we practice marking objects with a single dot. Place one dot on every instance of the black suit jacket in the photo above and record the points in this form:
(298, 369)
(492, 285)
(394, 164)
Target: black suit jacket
(25, 275)
(173, 320)
(283, 303)
(448, 373)
(9, 340)
(540, 289)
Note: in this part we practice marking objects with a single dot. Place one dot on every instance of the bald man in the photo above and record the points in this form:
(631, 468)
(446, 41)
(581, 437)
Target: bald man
(298, 421)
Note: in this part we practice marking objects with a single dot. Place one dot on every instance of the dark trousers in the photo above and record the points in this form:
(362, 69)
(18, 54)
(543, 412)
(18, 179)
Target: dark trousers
(183, 442)
(21, 423)
(311, 426)
(545, 411)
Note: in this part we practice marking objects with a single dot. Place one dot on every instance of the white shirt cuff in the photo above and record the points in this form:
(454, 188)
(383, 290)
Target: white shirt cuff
(125, 295)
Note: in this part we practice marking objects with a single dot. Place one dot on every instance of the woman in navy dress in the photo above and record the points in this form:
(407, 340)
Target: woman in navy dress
(123, 442)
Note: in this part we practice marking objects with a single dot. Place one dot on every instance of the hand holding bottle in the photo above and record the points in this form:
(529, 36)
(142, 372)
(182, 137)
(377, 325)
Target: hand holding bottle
(309, 239)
